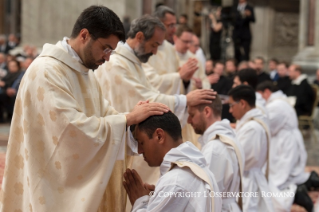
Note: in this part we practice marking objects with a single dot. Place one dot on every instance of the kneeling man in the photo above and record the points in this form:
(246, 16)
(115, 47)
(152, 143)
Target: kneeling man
(253, 133)
(222, 150)
(186, 184)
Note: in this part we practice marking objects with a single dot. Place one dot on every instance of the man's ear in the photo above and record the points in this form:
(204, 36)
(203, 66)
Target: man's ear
(245, 83)
(84, 35)
(160, 135)
(140, 36)
(243, 103)
(207, 111)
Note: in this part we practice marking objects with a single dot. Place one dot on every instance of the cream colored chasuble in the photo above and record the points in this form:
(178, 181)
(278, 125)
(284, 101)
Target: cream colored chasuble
(162, 70)
(64, 138)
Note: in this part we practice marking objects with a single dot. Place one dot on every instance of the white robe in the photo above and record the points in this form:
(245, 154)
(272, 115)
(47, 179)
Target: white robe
(123, 84)
(64, 138)
(288, 156)
(253, 138)
(261, 104)
(162, 69)
(222, 161)
(181, 180)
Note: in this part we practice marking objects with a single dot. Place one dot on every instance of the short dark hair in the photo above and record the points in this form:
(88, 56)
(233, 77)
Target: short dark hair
(267, 85)
(243, 92)
(145, 24)
(100, 21)
(167, 122)
(218, 62)
(216, 106)
(285, 63)
(234, 61)
(182, 28)
(298, 68)
(184, 16)
(16, 62)
(260, 58)
(274, 60)
(161, 12)
(248, 75)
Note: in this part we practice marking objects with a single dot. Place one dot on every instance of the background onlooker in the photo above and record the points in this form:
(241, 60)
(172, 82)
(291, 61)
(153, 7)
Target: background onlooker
(244, 15)
(283, 83)
(301, 89)
(183, 19)
(230, 68)
(316, 81)
(9, 87)
(215, 35)
(272, 64)
(259, 67)
(209, 67)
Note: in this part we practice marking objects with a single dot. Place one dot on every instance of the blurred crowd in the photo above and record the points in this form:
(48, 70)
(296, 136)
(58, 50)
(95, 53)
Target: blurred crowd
(14, 61)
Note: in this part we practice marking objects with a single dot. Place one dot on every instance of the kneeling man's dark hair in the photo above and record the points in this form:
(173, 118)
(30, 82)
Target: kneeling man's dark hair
(244, 92)
(167, 122)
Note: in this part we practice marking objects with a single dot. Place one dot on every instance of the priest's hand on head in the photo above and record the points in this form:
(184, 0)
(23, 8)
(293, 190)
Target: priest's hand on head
(188, 69)
(134, 185)
(200, 96)
(143, 110)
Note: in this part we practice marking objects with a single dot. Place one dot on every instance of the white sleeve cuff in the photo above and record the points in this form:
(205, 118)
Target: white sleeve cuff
(141, 203)
(180, 109)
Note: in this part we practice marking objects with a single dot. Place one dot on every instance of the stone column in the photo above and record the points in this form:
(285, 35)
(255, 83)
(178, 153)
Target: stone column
(2, 16)
(308, 55)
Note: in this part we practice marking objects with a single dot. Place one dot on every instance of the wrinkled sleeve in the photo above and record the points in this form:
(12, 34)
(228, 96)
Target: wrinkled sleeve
(168, 83)
(163, 202)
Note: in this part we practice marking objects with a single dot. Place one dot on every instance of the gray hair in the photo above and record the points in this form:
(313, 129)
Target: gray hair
(145, 24)
(161, 12)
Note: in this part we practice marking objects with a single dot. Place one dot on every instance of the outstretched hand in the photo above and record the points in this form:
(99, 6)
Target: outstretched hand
(134, 185)
(143, 110)
(200, 96)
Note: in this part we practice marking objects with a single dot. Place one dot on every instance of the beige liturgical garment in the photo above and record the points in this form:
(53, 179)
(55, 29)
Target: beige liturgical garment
(188, 132)
(162, 69)
(200, 73)
(124, 84)
(64, 138)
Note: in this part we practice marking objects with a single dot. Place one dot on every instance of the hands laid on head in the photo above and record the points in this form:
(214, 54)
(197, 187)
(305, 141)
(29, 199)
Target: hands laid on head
(134, 186)
(200, 96)
(188, 69)
(143, 110)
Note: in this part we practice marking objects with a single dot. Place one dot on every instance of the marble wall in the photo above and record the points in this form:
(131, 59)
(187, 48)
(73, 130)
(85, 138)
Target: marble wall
(49, 21)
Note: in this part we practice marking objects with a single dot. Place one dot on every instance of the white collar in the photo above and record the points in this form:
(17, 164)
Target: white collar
(299, 79)
(128, 47)
(69, 49)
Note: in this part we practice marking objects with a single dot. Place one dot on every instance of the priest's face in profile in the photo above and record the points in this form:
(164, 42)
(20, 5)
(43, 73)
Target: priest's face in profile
(150, 146)
(196, 119)
(98, 50)
(146, 48)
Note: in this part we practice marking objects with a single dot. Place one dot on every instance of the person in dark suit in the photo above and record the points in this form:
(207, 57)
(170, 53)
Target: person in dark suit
(259, 67)
(272, 64)
(301, 89)
(243, 16)
(4, 48)
(283, 83)
(316, 81)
